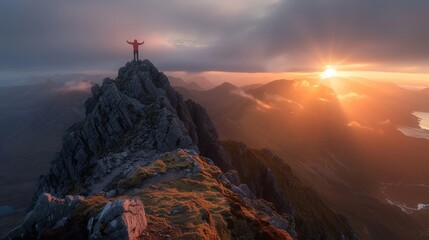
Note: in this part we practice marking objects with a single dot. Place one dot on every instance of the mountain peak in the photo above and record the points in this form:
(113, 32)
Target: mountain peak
(138, 111)
(225, 86)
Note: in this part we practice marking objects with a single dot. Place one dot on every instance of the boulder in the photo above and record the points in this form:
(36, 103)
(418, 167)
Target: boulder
(49, 214)
(121, 219)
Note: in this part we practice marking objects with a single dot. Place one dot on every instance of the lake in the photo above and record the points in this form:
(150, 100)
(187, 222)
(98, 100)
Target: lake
(408, 197)
(422, 132)
(424, 119)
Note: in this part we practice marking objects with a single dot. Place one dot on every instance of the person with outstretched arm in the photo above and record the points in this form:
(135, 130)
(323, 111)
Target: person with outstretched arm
(135, 48)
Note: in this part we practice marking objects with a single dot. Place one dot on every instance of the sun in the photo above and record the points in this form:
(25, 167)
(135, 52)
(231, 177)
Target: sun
(329, 72)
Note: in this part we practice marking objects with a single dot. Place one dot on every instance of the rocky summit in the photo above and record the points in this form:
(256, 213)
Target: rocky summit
(145, 164)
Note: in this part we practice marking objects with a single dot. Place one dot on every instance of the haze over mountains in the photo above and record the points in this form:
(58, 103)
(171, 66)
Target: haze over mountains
(33, 120)
(342, 137)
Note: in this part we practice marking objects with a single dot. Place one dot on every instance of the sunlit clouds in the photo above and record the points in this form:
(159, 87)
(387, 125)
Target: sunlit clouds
(357, 125)
(255, 36)
(351, 95)
(76, 86)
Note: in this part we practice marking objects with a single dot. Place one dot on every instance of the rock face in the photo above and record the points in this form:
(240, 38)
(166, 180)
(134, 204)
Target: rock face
(144, 164)
(139, 111)
(121, 219)
(49, 213)
(52, 217)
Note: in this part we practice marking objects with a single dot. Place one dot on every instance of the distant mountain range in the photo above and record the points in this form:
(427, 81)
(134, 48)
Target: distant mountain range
(200, 83)
(340, 136)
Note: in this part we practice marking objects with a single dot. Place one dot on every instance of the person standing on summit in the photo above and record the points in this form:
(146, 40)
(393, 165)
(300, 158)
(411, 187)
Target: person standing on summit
(135, 48)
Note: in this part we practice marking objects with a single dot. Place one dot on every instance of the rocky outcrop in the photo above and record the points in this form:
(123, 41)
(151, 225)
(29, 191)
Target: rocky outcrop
(138, 111)
(53, 218)
(121, 219)
(49, 214)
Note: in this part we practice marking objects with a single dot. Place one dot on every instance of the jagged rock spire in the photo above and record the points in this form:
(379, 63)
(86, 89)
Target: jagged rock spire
(137, 111)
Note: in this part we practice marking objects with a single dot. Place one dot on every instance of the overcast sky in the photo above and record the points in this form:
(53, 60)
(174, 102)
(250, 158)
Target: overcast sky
(203, 35)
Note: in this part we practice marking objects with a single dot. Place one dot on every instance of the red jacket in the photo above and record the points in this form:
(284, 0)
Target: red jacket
(135, 44)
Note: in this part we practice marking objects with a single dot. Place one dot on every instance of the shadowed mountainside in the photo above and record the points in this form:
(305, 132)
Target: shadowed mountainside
(261, 168)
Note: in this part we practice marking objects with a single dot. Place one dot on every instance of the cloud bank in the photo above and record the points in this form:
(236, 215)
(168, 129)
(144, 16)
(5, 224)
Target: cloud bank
(237, 36)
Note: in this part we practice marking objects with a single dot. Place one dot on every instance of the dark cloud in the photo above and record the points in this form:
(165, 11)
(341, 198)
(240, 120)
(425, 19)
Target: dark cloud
(303, 34)
(252, 35)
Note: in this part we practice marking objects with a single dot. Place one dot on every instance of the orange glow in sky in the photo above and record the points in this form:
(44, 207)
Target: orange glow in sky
(246, 78)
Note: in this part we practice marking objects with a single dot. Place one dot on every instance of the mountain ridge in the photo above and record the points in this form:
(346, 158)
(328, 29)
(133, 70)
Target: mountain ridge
(337, 135)
(144, 162)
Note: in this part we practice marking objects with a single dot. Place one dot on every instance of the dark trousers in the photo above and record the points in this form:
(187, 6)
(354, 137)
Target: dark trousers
(136, 55)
